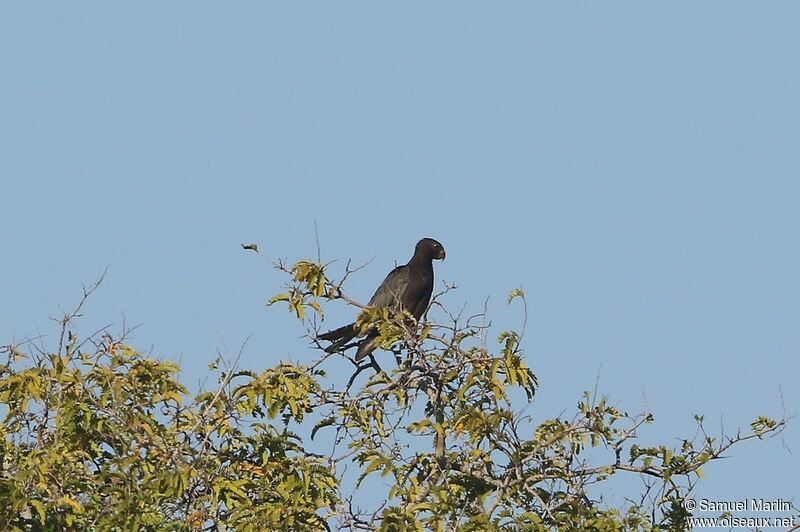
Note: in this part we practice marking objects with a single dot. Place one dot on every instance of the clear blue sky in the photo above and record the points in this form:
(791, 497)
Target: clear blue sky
(634, 167)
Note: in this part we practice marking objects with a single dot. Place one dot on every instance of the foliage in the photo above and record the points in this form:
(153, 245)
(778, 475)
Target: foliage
(448, 431)
(97, 436)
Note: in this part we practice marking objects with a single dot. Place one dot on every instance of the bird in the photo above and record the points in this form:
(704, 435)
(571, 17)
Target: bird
(407, 287)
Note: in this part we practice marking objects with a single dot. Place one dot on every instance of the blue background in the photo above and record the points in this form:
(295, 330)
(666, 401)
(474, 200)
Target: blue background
(634, 167)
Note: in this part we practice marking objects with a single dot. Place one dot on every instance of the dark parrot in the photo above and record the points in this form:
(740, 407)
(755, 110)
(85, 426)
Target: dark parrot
(407, 287)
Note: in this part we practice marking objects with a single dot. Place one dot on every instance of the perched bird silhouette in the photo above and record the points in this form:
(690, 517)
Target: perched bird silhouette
(407, 287)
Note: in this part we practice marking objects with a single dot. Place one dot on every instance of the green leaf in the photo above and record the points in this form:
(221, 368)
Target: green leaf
(327, 422)
(515, 293)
